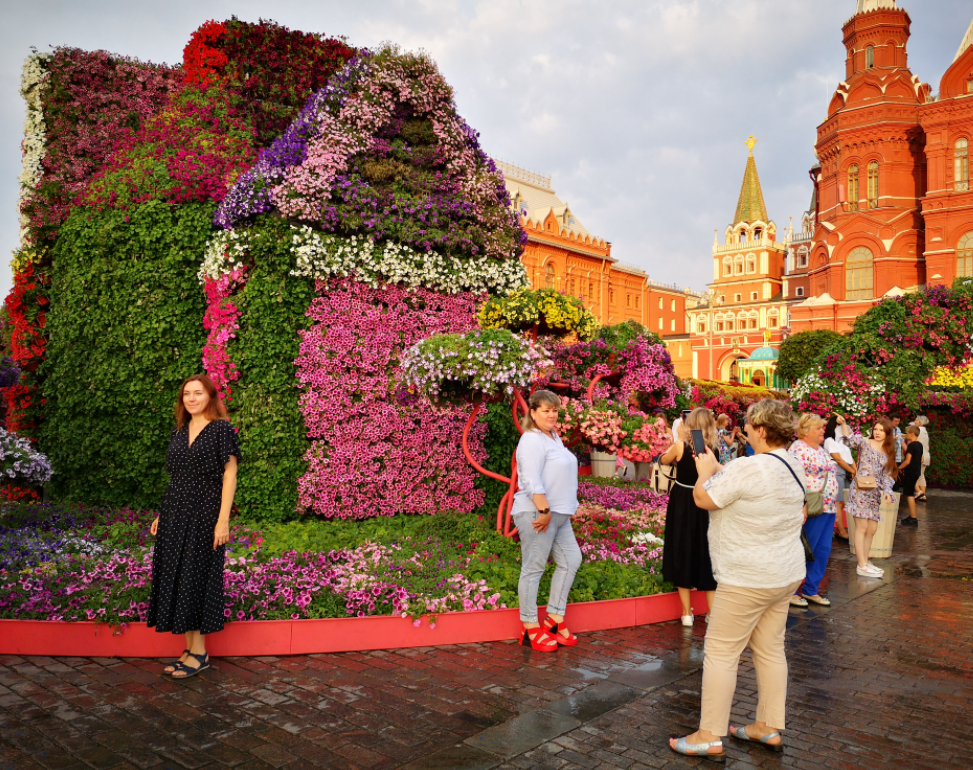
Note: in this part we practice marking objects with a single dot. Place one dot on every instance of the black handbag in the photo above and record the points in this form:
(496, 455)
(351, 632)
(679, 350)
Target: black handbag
(808, 553)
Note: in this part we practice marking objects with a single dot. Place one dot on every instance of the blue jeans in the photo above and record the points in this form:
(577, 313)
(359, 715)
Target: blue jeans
(820, 532)
(535, 548)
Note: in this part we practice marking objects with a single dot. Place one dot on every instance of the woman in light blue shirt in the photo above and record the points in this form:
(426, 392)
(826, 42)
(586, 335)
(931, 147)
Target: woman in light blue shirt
(546, 499)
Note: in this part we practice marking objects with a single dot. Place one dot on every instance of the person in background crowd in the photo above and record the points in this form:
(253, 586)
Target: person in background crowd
(911, 470)
(545, 501)
(921, 422)
(841, 454)
(678, 422)
(877, 472)
(193, 525)
(686, 553)
(897, 437)
(727, 442)
(756, 511)
(657, 475)
(821, 473)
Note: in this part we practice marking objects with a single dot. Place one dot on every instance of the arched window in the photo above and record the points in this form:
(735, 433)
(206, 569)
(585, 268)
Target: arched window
(853, 188)
(772, 319)
(800, 291)
(802, 257)
(701, 326)
(738, 265)
(964, 256)
(961, 173)
(743, 235)
(869, 57)
(751, 263)
(859, 267)
(873, 185)
(758, 234)
(549, 275)
(727, 265)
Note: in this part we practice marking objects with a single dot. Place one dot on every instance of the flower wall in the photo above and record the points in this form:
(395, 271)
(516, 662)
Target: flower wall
(250, 214)
(377, 449)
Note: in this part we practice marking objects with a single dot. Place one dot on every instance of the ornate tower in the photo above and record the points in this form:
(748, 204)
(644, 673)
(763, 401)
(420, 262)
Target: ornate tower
(745, 298)
(869, 237)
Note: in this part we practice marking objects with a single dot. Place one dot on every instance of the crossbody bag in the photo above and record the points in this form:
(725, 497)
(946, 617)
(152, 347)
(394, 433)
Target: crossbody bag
(808, 553)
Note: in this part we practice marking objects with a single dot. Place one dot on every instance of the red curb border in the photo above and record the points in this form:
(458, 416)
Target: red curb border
(302, 637)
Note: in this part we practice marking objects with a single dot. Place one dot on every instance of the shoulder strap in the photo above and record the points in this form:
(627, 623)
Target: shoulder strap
(791, 471)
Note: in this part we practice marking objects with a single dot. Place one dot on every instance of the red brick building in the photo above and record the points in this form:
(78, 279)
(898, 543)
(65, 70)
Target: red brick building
(892, 205)
(561, 254)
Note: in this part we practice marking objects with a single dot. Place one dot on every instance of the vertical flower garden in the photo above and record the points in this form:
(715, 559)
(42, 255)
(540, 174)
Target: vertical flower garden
(304, 221)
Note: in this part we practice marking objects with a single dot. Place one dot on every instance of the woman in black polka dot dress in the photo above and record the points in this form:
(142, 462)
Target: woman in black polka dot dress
(194, 524)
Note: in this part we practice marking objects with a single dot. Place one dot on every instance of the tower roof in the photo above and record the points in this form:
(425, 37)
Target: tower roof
(873, 5)
(967, 42)
(750, 206)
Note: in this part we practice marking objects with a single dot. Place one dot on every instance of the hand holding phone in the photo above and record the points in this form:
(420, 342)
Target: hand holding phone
(699, 443)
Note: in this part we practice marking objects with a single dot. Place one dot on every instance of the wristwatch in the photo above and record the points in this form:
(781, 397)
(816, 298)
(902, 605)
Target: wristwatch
(543, 511)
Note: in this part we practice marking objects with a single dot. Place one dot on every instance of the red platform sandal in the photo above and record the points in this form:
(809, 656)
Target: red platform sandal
(538, 639)
(555, 629)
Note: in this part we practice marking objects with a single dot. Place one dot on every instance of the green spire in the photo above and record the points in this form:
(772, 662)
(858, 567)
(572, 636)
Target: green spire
(750, 207)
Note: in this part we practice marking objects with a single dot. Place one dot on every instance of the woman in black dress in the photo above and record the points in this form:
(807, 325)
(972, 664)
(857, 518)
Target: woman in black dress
(685, 553)
(194, 524)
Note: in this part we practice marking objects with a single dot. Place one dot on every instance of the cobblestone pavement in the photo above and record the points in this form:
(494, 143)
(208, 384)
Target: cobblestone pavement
(883, 678)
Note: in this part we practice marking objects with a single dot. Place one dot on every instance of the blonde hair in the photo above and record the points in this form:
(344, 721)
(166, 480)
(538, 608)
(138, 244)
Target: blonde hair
(775, 417)
(922, 420)
(722, 421)
(538, 399)
(807, 423)
(700, 419)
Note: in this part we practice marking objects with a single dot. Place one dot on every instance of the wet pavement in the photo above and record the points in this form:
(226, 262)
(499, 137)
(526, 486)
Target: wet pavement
(883, 678)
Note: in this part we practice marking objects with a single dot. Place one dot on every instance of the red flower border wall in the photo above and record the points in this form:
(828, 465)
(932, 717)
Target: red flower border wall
(302, 637)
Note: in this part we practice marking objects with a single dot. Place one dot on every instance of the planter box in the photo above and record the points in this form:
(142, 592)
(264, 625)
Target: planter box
(602, 464)
(302, 637)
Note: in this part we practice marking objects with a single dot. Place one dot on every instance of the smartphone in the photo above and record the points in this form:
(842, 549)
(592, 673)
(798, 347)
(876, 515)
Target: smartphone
(699, 444)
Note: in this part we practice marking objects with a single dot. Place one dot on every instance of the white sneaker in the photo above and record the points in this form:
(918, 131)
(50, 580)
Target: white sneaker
(876, 570)
(866, 572)
(687, 620)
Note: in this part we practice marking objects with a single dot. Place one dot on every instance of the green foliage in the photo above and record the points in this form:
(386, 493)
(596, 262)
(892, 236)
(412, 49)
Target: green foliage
(273, 307)
(125, 331)
(800, 352)
(500, 443)
(617, 336)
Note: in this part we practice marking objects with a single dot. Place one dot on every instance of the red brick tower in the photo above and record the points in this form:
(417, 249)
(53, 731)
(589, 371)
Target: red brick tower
(869, 235)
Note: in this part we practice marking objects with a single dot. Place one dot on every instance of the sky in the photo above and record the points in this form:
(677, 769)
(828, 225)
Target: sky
(638, 109)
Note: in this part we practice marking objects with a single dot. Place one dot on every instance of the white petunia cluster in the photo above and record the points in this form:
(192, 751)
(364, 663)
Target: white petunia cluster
(322, 256)
(225, 252)
(647, 538)
(33, 146)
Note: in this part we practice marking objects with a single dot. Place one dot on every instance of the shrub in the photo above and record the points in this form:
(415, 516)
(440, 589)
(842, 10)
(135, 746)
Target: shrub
(800, 352)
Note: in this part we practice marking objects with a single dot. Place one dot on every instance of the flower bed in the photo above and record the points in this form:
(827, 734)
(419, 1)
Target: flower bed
(80, 564)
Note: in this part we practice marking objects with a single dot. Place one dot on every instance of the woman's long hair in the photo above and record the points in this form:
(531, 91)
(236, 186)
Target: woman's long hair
(538, 399)
(888, 446)
(831, 428)
(215, 409)
(700, 419)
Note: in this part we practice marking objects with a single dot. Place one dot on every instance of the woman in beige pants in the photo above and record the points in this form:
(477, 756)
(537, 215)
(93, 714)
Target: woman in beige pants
(756, 509)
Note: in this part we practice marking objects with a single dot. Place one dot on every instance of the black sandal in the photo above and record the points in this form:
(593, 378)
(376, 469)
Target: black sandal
(920, 498)
(189, 671)
(173, 663)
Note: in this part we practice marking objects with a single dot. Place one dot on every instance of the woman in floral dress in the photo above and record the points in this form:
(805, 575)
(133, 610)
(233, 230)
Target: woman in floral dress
(876, 460)
(821, 473)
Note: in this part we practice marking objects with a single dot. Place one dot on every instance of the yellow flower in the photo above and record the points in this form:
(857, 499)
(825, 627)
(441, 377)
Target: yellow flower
(944, 377)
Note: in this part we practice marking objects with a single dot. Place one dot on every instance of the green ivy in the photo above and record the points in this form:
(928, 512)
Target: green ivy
(500, 442)
(273, 306)
(125, 331)
(799, 352)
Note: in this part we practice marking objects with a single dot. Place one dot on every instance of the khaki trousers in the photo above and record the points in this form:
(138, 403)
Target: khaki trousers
(738, 617)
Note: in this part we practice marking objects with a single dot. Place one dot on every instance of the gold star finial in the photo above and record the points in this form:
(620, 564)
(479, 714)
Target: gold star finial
(751, 141)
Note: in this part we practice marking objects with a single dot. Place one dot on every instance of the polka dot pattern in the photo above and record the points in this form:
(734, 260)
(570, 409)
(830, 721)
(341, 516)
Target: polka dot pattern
(187, 572)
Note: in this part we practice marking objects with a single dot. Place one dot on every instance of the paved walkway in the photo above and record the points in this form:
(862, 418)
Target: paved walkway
(883, 678)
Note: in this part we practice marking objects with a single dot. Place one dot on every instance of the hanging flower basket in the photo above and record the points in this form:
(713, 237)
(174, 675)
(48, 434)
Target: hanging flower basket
(552, 313)
(485, 365)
